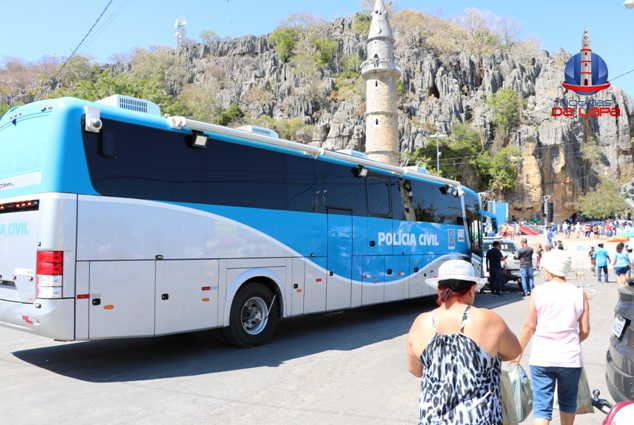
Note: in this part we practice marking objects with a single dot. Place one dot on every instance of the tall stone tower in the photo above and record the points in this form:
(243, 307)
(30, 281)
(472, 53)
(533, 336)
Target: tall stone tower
(586, 60)
(381, 73)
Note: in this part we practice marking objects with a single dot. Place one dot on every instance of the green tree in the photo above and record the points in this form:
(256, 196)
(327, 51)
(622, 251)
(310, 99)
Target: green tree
(457, 152)
(350, 66)
(503, 170)
(161, 65)
(201, 102)
(287, 129)
(326, 51)
(463, 156)
(284, 40)
(78, 69)
(125, 84)
(232, 113)
(507, 106)
(361, 23)
(4, 109)
(209, 36)
(604, 201)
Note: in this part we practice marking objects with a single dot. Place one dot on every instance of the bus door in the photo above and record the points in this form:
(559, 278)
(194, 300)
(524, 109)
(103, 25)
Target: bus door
(375, 262)
(121, 299)
(381, 239)
(339, 280)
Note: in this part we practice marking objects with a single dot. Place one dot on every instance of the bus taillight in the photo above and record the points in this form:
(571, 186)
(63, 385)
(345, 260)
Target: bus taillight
(49, 270)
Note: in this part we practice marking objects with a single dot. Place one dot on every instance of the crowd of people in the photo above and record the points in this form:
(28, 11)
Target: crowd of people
(592, 229)
(622, 262)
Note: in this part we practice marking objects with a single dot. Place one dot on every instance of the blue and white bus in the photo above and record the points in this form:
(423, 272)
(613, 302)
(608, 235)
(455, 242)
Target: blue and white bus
(118, 222)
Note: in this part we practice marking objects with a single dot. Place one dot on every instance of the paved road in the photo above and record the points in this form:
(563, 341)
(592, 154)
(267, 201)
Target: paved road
(346, 368)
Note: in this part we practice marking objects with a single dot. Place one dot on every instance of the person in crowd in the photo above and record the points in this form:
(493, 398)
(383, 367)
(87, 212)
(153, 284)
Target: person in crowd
(622, 264)
(494, 258)
(560, 244)
(630, 273)
(602, 259)
(525, 255)
(593, 261)
(548, 247)
(558, 320)
(540, 253)
(457, 350)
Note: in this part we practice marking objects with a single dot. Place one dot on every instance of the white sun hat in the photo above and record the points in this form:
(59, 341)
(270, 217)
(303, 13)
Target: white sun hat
(557, 262)
(458, 270)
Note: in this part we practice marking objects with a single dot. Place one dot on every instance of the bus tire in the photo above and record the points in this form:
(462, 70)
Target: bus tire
(250, 321)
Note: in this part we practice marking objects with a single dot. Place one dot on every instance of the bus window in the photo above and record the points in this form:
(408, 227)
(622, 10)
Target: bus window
(378, 196)
(432, 206)
(474, 223)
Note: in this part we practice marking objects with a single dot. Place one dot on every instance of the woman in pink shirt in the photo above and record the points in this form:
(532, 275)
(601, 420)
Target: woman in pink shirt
(558, 320)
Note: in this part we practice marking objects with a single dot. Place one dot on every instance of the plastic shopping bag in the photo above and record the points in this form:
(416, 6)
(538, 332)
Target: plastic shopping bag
(509, 413)
(584, 396)
(522, 390)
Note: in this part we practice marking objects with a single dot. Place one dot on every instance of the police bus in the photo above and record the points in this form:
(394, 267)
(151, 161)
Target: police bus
(116, 221)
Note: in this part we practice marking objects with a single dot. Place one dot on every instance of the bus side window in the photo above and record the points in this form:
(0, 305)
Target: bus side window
(378, 190)
(109, 142)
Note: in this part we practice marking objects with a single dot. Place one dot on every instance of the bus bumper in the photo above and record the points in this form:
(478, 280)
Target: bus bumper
(48, 318)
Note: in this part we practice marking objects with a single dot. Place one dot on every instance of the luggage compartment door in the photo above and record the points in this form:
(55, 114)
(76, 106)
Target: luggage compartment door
(121, 300)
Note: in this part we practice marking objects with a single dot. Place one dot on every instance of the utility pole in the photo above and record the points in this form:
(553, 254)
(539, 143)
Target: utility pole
(438, 153)
(546, 207)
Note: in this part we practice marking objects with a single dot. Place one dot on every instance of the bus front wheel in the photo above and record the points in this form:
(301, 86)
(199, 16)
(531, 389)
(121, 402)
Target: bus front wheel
(253, 316)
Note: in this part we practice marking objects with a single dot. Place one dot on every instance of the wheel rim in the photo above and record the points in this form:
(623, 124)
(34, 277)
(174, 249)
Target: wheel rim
(254, 315)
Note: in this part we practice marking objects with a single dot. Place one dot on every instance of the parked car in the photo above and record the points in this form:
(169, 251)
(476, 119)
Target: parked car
(512, 265)
(619, 374)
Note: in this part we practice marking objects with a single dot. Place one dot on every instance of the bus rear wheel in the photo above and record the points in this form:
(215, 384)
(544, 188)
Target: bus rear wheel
(253, 317)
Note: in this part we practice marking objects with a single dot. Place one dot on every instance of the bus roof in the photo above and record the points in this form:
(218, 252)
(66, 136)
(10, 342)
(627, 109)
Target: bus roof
(111, 107)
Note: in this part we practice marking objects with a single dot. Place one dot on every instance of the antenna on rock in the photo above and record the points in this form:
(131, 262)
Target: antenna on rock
(181, 32)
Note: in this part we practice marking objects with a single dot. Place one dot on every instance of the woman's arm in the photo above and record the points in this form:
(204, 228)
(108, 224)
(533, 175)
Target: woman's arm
(529, 326)
(584, 320)
(509, 347)
(414, 350)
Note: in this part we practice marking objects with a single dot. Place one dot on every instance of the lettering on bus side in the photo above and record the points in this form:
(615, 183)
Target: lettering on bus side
(407, 239)
(14, 229)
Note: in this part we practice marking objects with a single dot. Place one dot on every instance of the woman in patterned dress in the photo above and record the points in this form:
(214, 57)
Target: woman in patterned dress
(457, 350)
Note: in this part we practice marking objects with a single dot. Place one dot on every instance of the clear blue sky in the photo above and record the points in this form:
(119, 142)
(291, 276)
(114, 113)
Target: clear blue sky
(33, 29)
